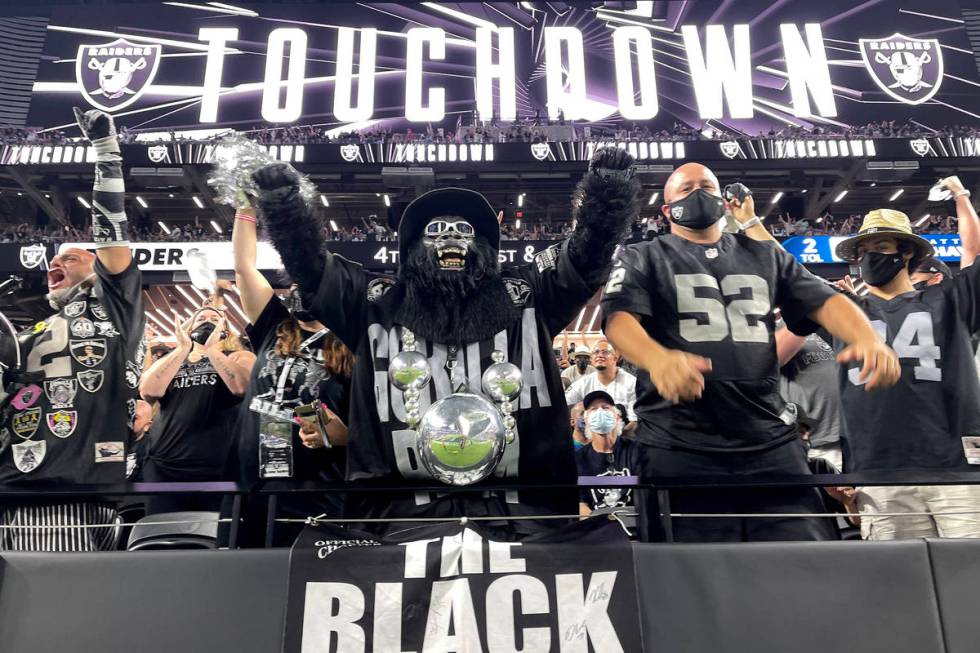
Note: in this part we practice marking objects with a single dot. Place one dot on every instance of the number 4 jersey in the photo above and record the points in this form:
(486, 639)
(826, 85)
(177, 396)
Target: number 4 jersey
(73, 425)
(715, 301)
(931, 417)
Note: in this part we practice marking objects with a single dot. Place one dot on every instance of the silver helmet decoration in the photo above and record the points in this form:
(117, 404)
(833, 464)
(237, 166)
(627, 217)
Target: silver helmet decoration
(461, 437)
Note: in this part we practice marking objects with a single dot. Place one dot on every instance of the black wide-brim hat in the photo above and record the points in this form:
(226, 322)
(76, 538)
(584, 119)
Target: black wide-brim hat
(460, 202)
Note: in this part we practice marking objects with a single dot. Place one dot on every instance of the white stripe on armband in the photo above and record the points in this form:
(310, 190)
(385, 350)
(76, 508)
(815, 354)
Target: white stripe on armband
(110, 185)
(111, 216)
(106, 145)
(111, 243)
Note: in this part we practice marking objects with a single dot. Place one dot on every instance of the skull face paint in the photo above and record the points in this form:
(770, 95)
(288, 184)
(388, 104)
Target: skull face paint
(450, 237)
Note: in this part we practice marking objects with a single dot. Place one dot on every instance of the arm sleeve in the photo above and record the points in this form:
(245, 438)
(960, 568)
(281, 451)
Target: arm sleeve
(575, 392)
(340, 301)
(122, 296)
(631, 401)
(559, 290)
(798, 292)
(269, 319)
(965, 287)
(629, 282)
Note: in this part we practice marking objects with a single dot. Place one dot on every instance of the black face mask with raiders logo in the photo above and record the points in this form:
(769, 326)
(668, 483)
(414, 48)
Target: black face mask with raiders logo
(699, 210)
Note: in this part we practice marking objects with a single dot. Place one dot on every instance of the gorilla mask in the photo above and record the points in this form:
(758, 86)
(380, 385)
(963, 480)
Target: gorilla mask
(449, 239)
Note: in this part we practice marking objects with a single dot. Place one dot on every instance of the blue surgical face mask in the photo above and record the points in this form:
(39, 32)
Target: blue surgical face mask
(602, 421)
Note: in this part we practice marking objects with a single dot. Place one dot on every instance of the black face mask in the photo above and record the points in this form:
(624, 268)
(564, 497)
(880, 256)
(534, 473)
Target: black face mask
(201, 334)
(920, 285)
(294, 303)
(877, 269)
(699, 210)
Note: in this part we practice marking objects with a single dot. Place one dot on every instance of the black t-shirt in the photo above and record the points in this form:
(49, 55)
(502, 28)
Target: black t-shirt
(357, 306)
(306, 380)
(622, 461)
(192, 436)
(715, 301)
(810, 380)
(77, 427)
(919, 422)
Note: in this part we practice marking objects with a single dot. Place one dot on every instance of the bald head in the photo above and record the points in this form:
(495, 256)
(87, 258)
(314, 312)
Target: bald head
(688, 178)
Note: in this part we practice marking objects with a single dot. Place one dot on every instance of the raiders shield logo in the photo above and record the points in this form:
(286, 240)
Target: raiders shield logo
(74, 309)
(25, 424)
(677, 212)
(90, 380)
(98, 310)
(106, 329)
(540, 151)
(377, 289)
(28, 455)
(61, 392)
(920, 146)
(113, 75)
(62, 423)
(906, 68)
(519, 290)
(32, 255)
(730, 149)
(158, 154)
(26, 397)
(350, 152)
(88, 352)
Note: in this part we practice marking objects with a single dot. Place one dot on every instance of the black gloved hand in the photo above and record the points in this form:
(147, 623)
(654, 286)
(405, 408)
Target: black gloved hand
(612, 162)
(276, 175)
(95, 124)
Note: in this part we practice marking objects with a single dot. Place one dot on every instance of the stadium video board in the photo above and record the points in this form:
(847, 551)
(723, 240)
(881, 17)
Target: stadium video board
(370, 66)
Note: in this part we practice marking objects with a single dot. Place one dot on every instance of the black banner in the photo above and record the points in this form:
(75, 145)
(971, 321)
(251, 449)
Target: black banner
(451, 588)
(475, 155)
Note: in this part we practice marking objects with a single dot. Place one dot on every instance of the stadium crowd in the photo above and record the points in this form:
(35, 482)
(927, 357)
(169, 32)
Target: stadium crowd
(725, 392)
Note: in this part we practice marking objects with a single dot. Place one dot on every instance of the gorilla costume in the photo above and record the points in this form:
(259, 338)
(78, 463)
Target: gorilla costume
(451, 293)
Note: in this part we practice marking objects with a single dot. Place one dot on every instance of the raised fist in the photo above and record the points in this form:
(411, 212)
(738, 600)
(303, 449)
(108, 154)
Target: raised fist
(611, 161)
(95, 124)
(275, 175)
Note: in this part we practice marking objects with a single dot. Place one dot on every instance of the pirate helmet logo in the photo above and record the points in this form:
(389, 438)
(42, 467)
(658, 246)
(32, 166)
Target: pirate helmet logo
(350, 152)
(158, 153)
(906, 68)
(32, 256)
(113, 75)
(920, 146)
(730, 149)
(540, 151)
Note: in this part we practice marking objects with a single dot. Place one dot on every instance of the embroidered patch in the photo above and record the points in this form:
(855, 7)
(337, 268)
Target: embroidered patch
(61, 392)
(25, 424)
(90, 380)
(62, 423)
(28, 455)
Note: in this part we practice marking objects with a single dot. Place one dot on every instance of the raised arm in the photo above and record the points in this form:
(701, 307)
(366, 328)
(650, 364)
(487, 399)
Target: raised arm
(253, 287)
(154, 382)
(967, 222)
(604, 207)
(292, 226)
(109, 225)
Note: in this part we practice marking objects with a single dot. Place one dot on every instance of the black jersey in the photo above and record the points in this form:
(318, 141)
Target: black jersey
(357, 306)
(192, 436)
(304, 381)
(920, 422)
(74, 425)
(715, 301)
(621, 461)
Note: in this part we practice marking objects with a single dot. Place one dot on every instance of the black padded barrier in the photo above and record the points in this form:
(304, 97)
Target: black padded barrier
(853, 597)
(956, 569)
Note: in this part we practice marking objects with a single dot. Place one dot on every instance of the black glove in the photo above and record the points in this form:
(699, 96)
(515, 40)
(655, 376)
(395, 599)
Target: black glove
(276, 175)
(97, 127)
(612, 162)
